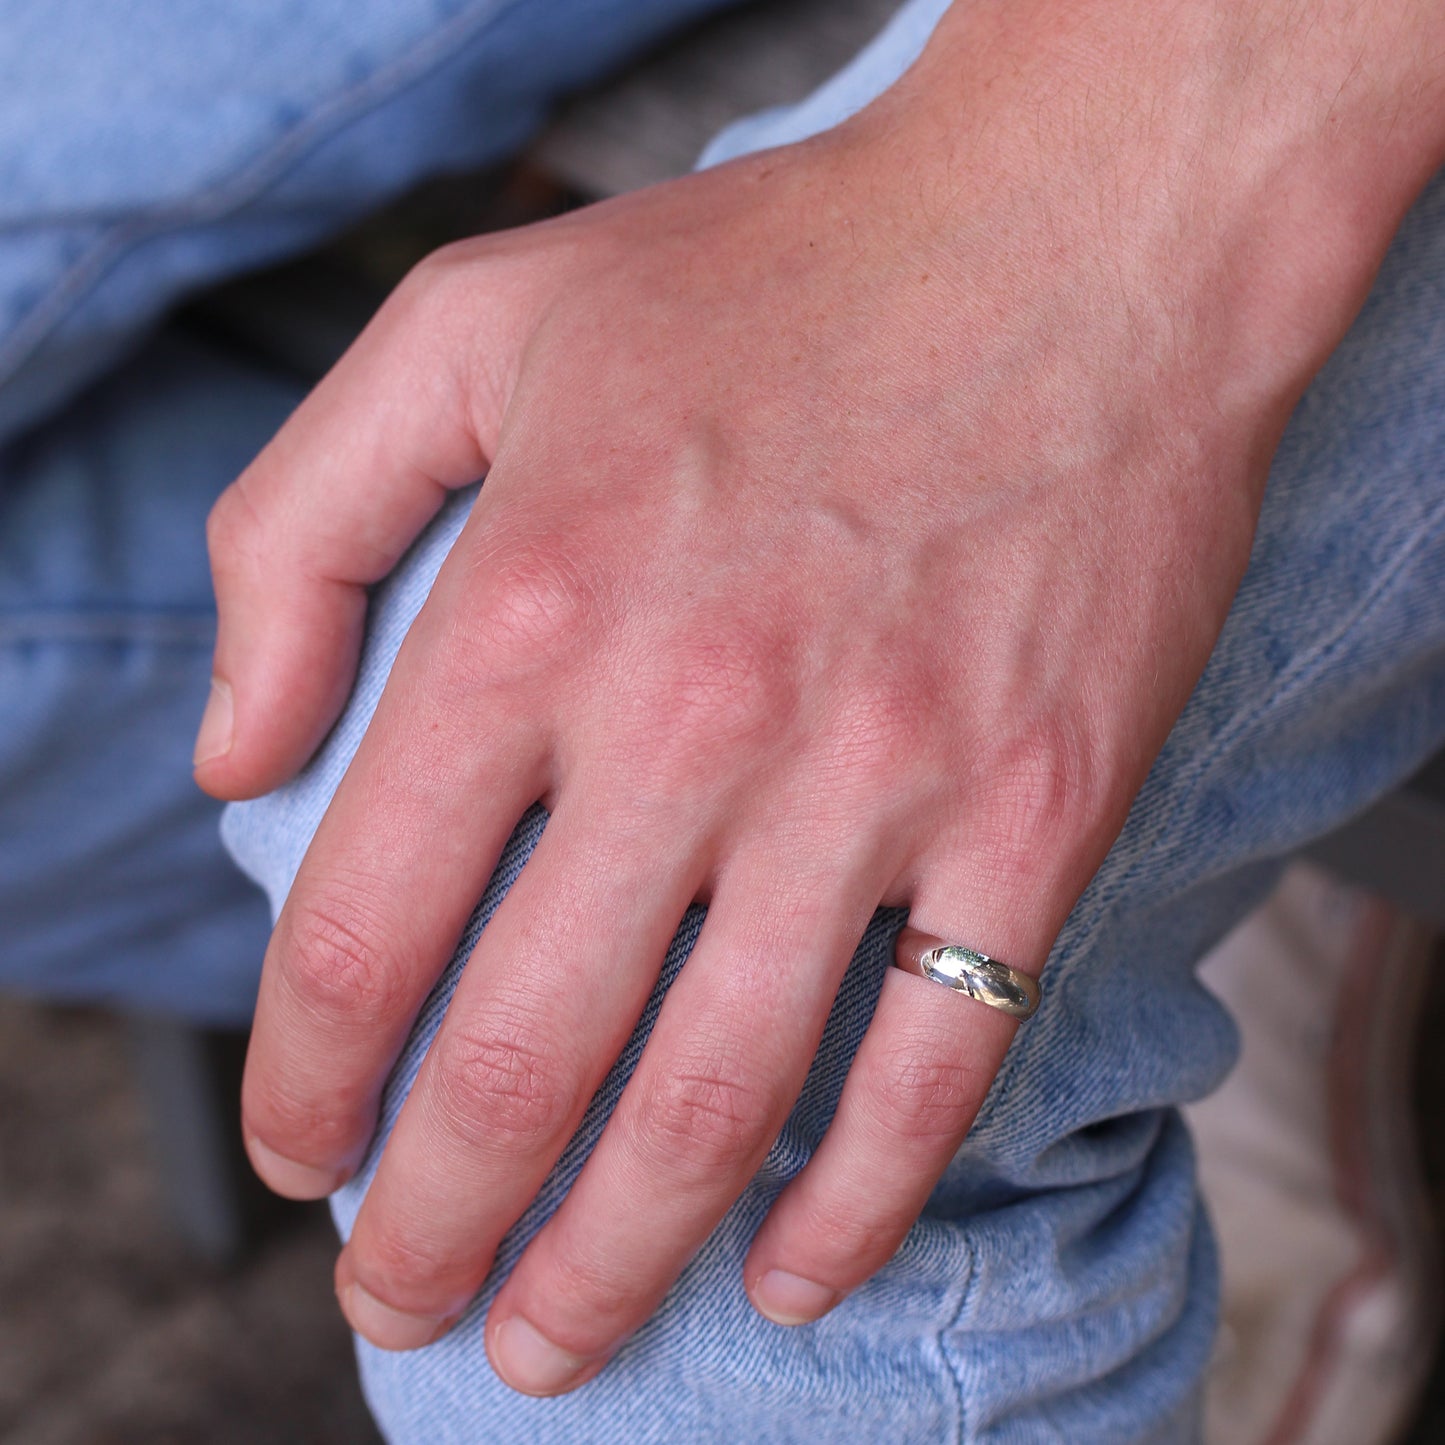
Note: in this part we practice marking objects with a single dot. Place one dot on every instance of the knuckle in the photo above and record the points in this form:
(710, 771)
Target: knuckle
(233, 530)
(530, 608)
(701, 1118)
(1042, 793)
(339, 963)
(500, 1087)
(920, 1099)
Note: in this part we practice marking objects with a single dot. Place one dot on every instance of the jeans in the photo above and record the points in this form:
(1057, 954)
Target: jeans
(1060, 1285)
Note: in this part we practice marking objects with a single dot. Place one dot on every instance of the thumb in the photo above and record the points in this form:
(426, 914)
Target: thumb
(330, 506)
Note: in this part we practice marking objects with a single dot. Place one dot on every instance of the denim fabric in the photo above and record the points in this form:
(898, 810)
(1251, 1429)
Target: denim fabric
(146, 150)
(113, 885)
(1061, 1284)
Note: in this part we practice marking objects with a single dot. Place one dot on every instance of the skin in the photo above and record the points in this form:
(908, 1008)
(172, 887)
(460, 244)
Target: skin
(859, 517)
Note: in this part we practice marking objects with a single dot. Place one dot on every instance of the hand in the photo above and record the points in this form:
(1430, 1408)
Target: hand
(858, 517)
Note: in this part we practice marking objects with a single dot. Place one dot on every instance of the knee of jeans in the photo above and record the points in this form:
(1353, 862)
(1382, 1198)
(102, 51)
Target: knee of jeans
(268, 837)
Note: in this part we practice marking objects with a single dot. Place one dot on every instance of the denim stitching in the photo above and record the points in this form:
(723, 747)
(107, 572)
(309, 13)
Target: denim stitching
(233, 192)
(952, 1327)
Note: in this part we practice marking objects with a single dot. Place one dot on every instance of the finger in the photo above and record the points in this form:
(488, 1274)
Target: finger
(917, 1082)
(543, 1010)
(380, 900)
(720, 1073)
(328, 508)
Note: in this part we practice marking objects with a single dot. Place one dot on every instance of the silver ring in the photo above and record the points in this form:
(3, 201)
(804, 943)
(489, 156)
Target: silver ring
(967, 971)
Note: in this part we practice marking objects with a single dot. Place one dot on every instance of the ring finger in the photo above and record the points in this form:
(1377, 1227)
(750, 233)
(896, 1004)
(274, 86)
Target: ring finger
(920, 1075)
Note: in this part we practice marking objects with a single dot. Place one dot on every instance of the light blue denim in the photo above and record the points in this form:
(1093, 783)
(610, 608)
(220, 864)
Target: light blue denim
(148, 147)
(113, 885)
(1061, 1284)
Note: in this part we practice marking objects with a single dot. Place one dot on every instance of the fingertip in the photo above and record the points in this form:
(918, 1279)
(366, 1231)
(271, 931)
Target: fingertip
(791, 1299)
(277, 690)
(289, 1177)
(385, 1326)
(213, 740)
(531, 1364)
(229, 779)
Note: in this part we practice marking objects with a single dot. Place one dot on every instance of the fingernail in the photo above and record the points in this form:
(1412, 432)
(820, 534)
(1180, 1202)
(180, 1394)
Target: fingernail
(214, 738)
(789, 1299)
(388, 1328)
(528, 1361)
(291, 1179)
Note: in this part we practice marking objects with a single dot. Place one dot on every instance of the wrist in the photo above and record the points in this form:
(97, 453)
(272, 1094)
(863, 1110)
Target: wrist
(1244, 165)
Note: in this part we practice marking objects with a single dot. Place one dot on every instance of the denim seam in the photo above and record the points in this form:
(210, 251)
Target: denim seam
(1300, 672)
(954, 1325)
(240, 187)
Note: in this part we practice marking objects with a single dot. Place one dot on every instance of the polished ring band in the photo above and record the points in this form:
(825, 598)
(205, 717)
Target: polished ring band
(967, 971)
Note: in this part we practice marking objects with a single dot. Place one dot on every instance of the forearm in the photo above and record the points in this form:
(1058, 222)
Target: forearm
(1261, 155)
